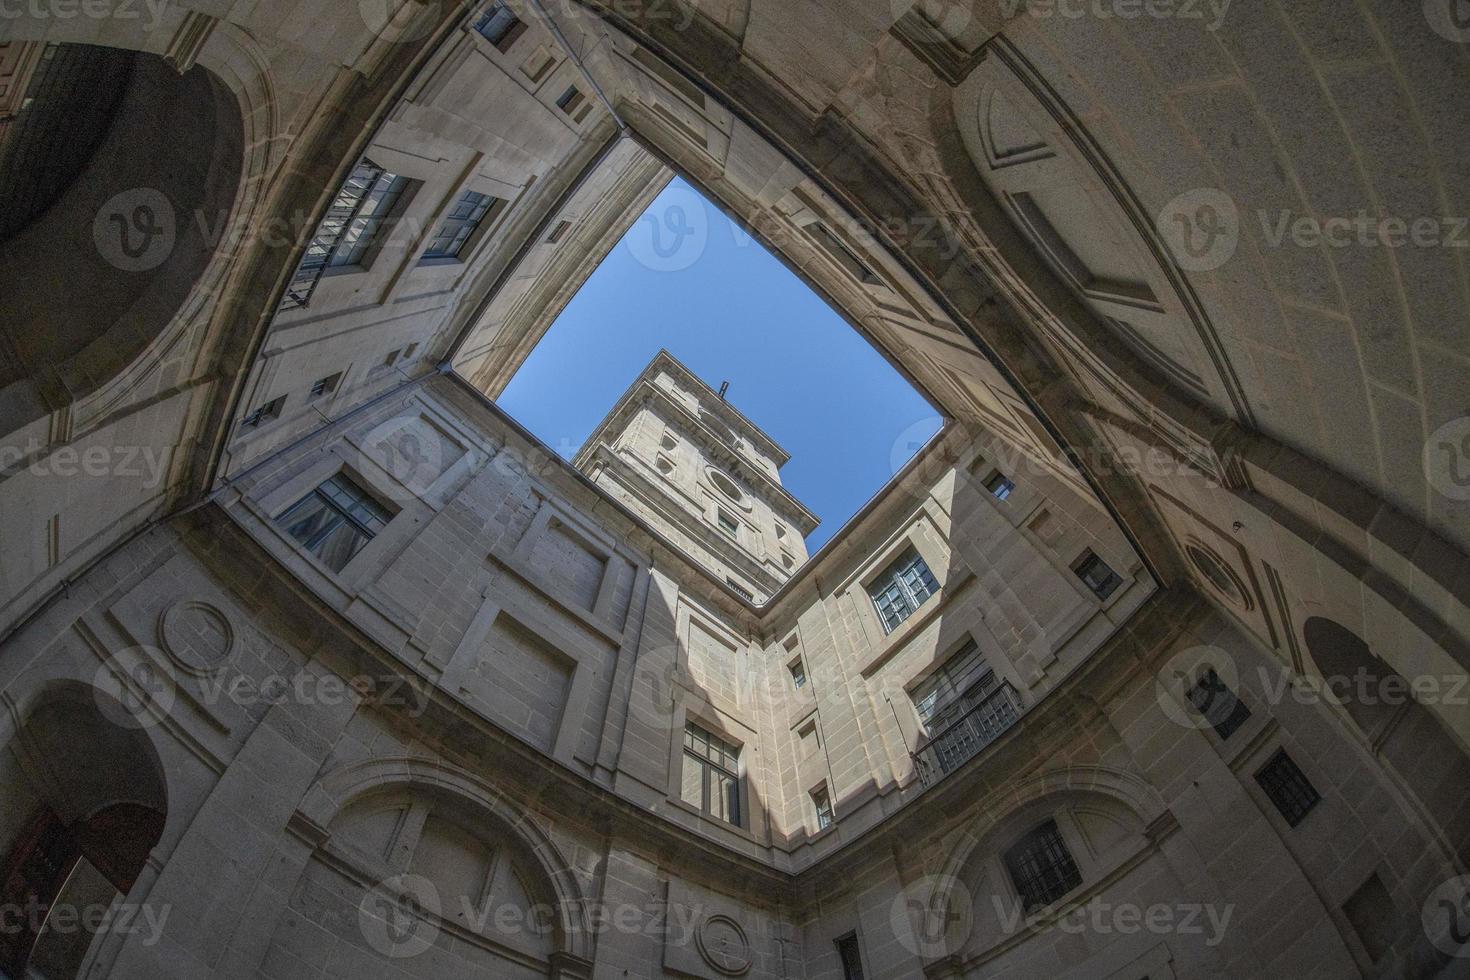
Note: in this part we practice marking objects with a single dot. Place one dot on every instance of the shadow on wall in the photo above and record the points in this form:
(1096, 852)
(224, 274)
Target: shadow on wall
(112, 209)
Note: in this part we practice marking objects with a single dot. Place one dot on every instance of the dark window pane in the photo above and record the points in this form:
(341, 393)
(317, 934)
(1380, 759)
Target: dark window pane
(1041, 867)
(1288, 788)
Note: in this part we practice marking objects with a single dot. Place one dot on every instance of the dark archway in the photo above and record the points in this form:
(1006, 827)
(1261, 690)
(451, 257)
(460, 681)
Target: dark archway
(118, 178)
(74, 835)
(1404, 732)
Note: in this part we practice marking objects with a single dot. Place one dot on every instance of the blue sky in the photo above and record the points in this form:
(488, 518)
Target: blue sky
(686, 278)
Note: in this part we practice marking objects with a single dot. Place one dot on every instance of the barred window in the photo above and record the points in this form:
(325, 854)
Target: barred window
(366, 199)
(1288, 788)
(1041, 867)
(851, 957)
(902, 588)
(1221, 708)
(711, 778)
(335, 520)
(454, 232)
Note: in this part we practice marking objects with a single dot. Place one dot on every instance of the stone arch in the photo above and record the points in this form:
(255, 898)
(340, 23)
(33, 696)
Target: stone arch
(82, 836)
(1402, 731)
(1130, 792)
(349, 785)
(140, 227)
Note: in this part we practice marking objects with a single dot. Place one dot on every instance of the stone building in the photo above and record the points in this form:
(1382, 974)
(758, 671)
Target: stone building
(1151, 664)
(684, 459)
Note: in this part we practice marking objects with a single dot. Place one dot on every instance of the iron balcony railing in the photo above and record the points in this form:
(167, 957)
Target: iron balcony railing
(957, 742)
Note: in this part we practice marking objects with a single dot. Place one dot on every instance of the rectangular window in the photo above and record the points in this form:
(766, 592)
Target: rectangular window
(711, 779)
(570, 100)
(268, 412)
(459, 224)
(335, 520)
(557, 233)
(999, 486)
(326, 385)
(901, 589)
(963, 708)
(728, 524)
(851, 957)
(499, 26)
(392, 357)
(1096, 575)
(1041, 867)
(822, 801)
(798, 673)
(367, 198)
(1221, 708)
(1288, 788)
(740, 589)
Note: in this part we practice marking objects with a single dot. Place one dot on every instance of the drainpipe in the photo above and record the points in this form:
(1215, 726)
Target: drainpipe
(566, 46)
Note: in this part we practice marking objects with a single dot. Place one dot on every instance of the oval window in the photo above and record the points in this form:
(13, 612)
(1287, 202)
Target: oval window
(726, 486)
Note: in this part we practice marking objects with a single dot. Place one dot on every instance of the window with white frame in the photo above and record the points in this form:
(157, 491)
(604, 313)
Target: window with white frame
(366, 200)
(822, 803)
(962, 707)
(335, 521)
(901, 588)
(711, 775)
(454, 232)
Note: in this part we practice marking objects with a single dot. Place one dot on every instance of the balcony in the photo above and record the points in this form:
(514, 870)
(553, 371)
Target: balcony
(954, 744)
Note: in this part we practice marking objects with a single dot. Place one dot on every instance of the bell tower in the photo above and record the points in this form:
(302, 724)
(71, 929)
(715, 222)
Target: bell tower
(696, 469)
